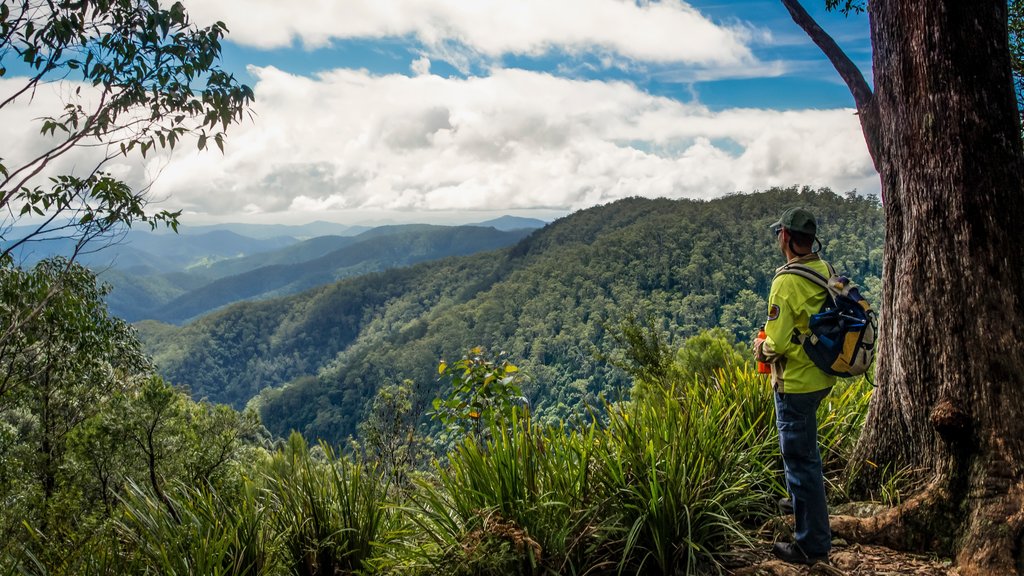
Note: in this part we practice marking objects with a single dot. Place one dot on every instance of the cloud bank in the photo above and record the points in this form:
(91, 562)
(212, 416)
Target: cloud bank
(351, 141)
(666, 31)
(348, 142)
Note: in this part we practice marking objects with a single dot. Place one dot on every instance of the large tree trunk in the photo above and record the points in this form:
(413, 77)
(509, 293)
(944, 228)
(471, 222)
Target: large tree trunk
(950, 397)
(949, 401)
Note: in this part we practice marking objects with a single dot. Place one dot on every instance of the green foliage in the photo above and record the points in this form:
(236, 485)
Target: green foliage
(549, 302)
(520, 503)
(372, 253)
(847, 7)
(62, 357)
(647, 356)
(484, 392)
(669, 483)
(297, 511)
(682, 471)
(212, 532)
(148, 78)
(82, 418)
(388, 435)
(331, 514)
(703, 356)
(840, 419)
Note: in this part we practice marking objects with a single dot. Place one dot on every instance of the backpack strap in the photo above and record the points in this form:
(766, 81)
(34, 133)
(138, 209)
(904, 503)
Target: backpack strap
(808, 273)
(811, 274)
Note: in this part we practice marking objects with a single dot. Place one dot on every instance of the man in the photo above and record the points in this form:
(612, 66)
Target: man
(799, 387)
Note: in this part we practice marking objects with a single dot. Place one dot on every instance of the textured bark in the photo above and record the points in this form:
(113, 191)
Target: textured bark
(950, 373)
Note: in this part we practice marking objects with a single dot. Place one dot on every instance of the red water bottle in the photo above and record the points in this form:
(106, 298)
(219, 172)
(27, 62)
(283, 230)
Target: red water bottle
(763, 367)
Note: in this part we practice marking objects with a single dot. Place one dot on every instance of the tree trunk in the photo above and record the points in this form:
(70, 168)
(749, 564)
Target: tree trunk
(949, 401)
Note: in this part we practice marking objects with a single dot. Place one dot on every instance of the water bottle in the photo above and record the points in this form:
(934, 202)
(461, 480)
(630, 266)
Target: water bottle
(763, 367)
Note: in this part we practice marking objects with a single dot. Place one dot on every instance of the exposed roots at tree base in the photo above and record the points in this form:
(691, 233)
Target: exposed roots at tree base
(986, 534)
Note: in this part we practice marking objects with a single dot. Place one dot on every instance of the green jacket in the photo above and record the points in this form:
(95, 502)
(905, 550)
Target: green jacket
(791, 303)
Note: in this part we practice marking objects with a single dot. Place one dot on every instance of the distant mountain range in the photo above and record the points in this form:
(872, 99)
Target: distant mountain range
(322, 261)
(319, 228)
(175, 277)
(508, 223)
(263, 231)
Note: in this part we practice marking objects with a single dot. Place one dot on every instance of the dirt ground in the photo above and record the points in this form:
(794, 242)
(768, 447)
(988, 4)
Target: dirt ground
(845, 560)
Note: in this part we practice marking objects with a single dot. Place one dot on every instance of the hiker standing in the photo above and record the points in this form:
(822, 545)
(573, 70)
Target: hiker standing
(799, 387)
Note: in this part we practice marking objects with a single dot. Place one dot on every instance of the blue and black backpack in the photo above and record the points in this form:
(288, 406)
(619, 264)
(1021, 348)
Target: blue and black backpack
(841, 341)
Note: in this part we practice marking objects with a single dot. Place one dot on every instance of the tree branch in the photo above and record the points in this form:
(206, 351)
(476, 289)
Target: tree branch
(863, 97)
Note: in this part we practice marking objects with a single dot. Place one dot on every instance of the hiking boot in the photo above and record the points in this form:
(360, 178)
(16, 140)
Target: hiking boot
(792, 553)
(786, 506)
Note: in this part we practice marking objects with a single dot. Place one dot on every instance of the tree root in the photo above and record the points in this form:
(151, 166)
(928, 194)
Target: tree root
(910, 526)
(985, 534)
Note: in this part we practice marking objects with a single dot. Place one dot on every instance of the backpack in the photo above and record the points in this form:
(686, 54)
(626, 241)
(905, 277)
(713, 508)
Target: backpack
(842, 336)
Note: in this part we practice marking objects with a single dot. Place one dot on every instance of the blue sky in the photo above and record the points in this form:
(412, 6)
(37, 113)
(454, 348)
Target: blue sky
(372, 111)
(810, 83)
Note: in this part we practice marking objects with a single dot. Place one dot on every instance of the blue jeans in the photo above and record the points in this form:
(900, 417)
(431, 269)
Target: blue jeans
(796, 419)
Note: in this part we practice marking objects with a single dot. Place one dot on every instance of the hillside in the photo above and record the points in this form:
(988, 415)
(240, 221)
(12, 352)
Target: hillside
(552, 301)
(209, 284)
(371, 252)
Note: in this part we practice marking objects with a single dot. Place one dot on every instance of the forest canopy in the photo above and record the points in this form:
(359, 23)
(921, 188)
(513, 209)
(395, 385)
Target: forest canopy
(553, 302)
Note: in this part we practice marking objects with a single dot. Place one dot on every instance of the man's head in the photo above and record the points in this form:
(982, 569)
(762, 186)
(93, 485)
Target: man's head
(797, 231)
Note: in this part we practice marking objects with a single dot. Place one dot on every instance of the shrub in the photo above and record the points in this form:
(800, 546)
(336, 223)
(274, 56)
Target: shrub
(682, 470)
(518, 503)
(331, 514)
(195, 530)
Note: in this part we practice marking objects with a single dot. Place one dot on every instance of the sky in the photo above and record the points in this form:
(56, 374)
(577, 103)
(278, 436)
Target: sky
(453, 111)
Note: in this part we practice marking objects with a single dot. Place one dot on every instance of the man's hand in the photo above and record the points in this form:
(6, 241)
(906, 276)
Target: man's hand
(763, 351)
(757, 347)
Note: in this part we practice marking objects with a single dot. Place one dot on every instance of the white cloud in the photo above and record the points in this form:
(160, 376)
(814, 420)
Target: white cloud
(661, 31)
(23, 145)
(350, 141)
(421, 66)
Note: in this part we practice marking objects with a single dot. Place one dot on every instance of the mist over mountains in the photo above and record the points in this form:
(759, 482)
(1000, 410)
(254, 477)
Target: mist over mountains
(172, 277)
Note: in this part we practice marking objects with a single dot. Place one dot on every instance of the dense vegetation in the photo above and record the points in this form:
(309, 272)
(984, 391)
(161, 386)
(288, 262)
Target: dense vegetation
(109, 469)
(672, 482)
(83, 417)
(552, 301)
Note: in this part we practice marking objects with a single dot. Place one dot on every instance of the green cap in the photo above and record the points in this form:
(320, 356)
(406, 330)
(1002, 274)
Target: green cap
(797, 220)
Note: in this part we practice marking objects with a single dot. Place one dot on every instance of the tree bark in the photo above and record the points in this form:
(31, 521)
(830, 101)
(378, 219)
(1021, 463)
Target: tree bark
(949, 402)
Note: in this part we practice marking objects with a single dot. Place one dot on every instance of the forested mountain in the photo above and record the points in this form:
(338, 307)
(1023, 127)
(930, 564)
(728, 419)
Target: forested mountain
(553, 302)
(205, 286)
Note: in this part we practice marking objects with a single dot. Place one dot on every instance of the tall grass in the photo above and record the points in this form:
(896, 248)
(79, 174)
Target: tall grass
(668, 483)
(840, 419)
(206, 534)
(682, 471)
(304, 512)
(331, 514)
(99, 553)
(519, 503)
